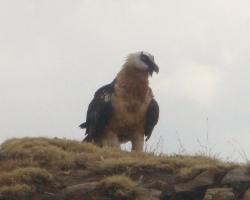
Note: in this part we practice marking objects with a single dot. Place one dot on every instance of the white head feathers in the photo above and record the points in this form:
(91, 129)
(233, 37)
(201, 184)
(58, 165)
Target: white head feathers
(142, 60)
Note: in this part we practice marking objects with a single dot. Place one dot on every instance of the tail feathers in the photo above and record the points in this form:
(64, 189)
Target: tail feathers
(83, 125)
(87, 139)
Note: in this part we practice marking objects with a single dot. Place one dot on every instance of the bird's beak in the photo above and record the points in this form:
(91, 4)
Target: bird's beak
(156, 68)
(153, 68)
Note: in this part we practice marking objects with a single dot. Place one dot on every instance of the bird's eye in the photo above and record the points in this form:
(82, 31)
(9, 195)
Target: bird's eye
(143, 57)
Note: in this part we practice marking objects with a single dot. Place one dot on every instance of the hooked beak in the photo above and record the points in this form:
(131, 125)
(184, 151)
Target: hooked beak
(156, 68)
(153, 68)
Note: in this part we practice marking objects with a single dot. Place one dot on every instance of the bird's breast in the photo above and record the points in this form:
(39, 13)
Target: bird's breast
(129, 114)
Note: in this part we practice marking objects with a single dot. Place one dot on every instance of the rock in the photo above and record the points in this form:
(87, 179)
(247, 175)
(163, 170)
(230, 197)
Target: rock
(66, 173)
(157, 185)
(87, 191)
(166, 195)
(166, 188)
(184, 192)
(238, 179)
(246, 195)
(196, 187)
(219, 194)
(147, 194)
(209, 194)
(80, 191)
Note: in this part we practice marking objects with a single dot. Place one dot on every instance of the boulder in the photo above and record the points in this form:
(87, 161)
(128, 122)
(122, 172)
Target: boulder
(166, 188)
(79, 191)
(219, 194)
(147, 194)
(246, 195)
(238, 179)
(194, 188)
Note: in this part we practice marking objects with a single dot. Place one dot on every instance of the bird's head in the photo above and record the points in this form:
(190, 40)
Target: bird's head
(143, 61)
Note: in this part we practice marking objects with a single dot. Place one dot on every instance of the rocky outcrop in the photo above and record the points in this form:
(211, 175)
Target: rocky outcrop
(238, 179)
(88, 191)
(214, 185)
(147, 194)
(53, 169)
(195, 188)
(79, 191)
(219, 194)
(226, 184)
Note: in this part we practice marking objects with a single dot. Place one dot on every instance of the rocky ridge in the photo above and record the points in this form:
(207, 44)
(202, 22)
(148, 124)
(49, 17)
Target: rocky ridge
(53, 169)
(226, 184)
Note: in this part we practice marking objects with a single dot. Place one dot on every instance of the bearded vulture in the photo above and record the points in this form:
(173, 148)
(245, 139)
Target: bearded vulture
(124, 110)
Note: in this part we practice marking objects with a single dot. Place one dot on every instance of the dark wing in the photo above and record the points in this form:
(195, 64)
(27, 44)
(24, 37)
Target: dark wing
(99, 112)
(152, 117)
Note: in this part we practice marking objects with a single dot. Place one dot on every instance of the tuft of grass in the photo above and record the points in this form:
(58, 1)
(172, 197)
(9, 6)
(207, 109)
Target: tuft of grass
(182, 166)
(29, 175)
(53, 155)
(237, 147)
(64, 144)
(117, 187)
(156, 149)
(11, 164)
(20, 191)
(44, 152)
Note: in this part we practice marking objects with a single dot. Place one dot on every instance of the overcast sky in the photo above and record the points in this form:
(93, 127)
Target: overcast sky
(55, 54)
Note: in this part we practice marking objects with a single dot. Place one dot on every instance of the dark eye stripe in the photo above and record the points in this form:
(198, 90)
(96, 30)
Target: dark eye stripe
(145, 59)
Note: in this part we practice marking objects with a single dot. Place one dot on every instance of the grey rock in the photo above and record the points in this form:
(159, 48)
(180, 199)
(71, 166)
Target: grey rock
(219, 194)
(194, 188)
(157, 185)
(183, 191)
(167, 189)
(210, 193)
(246, 195)
(80, 191)
(147, 194)
(224, 195)
(238, 178)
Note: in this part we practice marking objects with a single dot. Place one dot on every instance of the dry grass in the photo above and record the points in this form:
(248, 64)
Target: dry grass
(28, 175)
(32, 161)
(20, 191)
(117, 187)
(56, 154)
(52, 153)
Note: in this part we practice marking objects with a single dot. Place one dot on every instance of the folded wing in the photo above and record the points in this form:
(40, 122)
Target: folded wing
(152, 117)
(99, 113)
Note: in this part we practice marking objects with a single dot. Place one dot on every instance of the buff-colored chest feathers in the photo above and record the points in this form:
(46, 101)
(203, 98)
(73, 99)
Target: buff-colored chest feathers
(130, 102)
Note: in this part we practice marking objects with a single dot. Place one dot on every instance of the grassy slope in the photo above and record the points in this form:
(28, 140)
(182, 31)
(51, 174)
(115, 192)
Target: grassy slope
(29, 166)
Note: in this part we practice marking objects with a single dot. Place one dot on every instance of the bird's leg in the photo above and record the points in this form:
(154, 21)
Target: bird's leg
(112, 140)
(138, 142)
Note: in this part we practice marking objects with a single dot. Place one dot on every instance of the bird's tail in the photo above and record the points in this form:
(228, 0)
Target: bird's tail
(83, 125)
(87, 139)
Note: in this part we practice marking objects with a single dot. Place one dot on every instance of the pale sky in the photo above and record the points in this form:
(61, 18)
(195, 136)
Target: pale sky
(55, 54)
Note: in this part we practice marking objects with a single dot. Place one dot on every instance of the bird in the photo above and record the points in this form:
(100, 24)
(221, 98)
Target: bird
(124, 110)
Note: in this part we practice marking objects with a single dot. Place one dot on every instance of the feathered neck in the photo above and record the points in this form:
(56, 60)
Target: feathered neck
(134, 82)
